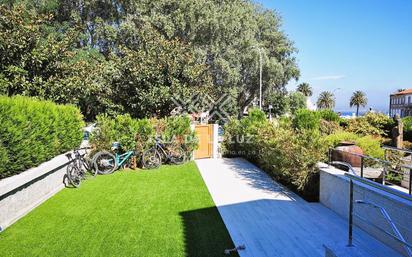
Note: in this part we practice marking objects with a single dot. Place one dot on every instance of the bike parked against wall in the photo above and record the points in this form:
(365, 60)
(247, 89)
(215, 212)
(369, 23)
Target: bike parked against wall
(79, 165)
(105, 162)
(161, 152)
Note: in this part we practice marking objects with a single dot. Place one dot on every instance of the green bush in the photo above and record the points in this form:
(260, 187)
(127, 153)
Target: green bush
(306, 119)
(407, 128)
(329, 115)
(328, 127)
(369, 145)
(178, 130)
(374, 124)
(33, 131)
(139, 134)
(132, 134)
(361, 126)
(288, 155)
(4, 159)
(144, 133)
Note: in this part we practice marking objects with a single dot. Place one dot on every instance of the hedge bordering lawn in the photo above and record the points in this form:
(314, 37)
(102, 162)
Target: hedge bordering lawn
(33, 131)
(139, 134)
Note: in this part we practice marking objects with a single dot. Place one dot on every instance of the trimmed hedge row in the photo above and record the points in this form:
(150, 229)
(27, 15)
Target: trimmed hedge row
(33, 131)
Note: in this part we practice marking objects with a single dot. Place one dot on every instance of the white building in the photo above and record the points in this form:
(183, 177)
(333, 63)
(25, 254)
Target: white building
(401, 103)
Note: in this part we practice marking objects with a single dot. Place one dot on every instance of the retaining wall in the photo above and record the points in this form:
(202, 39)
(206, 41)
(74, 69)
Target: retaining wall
(334, 194)
(21, 193)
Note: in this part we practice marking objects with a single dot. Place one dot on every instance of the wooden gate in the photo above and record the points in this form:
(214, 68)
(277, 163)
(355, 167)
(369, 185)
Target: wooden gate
(205, 135)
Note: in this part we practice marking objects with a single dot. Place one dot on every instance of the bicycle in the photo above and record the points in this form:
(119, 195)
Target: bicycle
(106, 163)
(153, 157)
(76, 170)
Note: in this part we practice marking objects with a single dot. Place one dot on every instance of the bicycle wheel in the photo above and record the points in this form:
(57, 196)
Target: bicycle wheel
(177, 155)
(73, 175)
(151, 159)
(104, 163)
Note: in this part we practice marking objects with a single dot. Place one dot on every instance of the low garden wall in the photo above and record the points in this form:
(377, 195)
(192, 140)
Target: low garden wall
(334, 194)
(21, 193)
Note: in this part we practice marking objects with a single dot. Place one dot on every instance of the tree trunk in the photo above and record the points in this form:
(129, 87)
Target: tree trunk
(357, 110)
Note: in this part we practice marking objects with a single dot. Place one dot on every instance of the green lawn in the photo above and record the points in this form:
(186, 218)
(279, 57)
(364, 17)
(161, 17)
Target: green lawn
(166, 212)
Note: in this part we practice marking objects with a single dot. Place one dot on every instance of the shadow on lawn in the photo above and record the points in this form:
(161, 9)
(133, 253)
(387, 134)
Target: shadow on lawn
(205, 233)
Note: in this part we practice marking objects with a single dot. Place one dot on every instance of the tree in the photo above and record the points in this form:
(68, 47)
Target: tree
(203, 45)
(305, 89)
(326, 100)
(297, 101)
(358, 99)
(279, 101)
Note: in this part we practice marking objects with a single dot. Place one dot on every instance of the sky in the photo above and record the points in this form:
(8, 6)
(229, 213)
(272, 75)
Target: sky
(349, 45)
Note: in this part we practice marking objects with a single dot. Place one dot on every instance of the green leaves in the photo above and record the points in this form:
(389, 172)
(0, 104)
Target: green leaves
(33, 131)
(139, 134)
(135, 56)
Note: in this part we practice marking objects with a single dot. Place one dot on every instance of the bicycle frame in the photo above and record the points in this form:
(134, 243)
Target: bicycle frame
(161, 149)
(122, 158)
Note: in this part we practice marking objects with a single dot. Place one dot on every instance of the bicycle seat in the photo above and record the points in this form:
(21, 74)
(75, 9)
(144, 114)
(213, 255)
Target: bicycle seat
(69, 155)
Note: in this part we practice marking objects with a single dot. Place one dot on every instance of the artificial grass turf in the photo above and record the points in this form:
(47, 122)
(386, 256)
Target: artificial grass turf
(164, 212)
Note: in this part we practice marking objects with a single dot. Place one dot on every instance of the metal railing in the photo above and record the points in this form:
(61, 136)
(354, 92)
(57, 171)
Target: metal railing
(385, 164)
(397, 236)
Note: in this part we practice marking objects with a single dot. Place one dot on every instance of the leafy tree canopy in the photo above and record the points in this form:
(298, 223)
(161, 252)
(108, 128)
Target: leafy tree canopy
(136, 56)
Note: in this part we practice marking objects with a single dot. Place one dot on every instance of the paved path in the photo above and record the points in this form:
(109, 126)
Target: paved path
(271, 220)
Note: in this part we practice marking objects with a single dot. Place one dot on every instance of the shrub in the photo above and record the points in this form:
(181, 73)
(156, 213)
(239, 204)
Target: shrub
(178, 130)
(374, 124)
(291, 158)
(380, 121)
(334, 139)
(370, 145)
(138, 134)
(33, 131)
(144, 133)
(407, 128)
(306, 119)
(287, 155)
(328, 127)
(4, 159)
(329, 115)
(361, 126)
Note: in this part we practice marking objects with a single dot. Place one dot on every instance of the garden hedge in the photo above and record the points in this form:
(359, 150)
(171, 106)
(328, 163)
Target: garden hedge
(289, 150)
(33, 131)
(139, 134)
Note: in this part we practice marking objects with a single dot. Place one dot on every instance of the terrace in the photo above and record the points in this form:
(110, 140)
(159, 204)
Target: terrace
(197, 209)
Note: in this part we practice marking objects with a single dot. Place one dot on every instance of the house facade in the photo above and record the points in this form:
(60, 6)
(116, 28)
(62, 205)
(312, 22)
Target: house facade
(401, 103)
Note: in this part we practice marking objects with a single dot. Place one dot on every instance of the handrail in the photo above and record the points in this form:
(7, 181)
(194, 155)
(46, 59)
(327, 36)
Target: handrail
(387, 217)
(378, 186)
(347, 165)
(363, 156)
(386, 164)
(386, 147)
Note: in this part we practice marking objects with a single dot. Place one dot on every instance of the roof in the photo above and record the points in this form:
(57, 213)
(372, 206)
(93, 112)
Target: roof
(404, 92)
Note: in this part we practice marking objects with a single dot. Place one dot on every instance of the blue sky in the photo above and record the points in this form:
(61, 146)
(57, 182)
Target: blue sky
(352, 45)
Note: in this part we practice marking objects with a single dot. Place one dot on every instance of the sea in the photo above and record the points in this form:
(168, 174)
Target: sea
(349, 114)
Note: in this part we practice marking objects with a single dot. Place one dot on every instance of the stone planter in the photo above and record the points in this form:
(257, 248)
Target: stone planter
(345, 153)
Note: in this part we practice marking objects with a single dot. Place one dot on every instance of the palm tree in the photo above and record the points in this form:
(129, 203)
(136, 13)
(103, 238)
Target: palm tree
(305, 89)
(358, 99)
(326, 100)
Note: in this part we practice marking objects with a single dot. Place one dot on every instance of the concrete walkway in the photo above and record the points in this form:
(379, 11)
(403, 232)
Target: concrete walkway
(272, 221)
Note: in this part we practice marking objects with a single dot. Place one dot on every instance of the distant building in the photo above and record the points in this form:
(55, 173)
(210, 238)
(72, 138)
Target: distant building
(401, 103)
